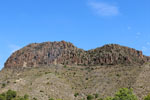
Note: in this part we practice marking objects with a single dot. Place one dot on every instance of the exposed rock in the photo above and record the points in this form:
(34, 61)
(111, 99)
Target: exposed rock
(113, 54)
(66, 53)
(46, 53)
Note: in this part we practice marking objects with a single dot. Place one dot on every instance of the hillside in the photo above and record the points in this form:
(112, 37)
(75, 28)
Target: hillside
(60, 70)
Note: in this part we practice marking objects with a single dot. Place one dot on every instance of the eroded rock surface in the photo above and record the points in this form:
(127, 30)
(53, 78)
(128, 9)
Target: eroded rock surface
(47, 53)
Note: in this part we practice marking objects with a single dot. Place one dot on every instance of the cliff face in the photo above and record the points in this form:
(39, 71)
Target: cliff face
(45, 54)
(113, 54)
(66, 53)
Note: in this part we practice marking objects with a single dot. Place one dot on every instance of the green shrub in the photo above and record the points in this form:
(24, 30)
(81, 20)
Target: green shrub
(90, 97)
(10, 94)
(26, 97)
(51, 99)
(109, 98)
(76, 94)
(96, 95)
(2, 97)
(65, 66)
(34, 98)
(100, 99)
(125, 94)
(147, 97)
(3, 85)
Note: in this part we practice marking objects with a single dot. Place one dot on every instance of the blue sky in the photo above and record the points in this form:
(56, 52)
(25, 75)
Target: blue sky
(86, 23)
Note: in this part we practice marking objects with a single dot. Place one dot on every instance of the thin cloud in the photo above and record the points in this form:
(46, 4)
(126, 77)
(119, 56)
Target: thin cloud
(14, 48)
(144, 48)
(129, 28)
(148, 43)
(104, 9)
(138, 35)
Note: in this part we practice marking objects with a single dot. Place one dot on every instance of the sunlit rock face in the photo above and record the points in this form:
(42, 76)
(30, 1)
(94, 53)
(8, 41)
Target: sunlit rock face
(48, 53)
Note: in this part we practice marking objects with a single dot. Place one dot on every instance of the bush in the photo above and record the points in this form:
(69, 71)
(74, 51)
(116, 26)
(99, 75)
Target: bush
(76, 94)
(96, 95)
(100, 99)
(109, 98)
(2, 97)
(3, 85)
(125, 94)
(90, 97)
(34, 98)
(147, 97)
(65, 66)
(51, 99)
(10, 94)
(26, 97)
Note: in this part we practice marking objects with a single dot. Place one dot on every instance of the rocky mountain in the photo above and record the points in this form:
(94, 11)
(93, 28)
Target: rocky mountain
(62, 71)
(113, 54)
(48, 53)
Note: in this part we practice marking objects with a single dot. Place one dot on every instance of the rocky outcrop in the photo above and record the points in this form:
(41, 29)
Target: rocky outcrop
(47, 53)
(113, 54)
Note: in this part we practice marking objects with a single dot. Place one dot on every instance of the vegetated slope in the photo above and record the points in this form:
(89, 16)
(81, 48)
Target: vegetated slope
(62, 82)
(38, 83)
(142, 84)
(60, 70)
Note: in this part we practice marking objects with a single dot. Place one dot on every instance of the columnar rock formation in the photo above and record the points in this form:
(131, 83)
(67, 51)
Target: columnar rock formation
(47, 53)
(113, 54)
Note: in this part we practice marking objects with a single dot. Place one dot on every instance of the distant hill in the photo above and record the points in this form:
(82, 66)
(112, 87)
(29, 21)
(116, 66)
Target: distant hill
(60, 70)
(47, 53)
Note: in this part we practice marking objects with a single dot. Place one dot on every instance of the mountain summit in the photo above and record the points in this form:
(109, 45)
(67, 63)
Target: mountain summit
(48, 53)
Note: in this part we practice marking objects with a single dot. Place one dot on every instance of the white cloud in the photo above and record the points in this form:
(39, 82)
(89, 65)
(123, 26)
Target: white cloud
(14, 48)
(104, 9)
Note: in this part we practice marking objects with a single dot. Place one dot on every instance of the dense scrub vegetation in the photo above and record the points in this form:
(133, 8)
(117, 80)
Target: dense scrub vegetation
(12, 95)
(122, 94)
